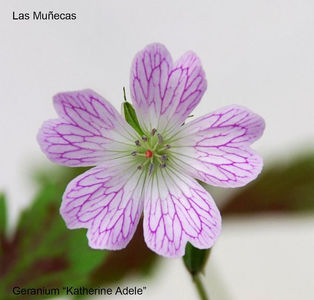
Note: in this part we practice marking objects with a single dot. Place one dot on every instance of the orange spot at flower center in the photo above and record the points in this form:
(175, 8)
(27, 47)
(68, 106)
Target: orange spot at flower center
(148, 153)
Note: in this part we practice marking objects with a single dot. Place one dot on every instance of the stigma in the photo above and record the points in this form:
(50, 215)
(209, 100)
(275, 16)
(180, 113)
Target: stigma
(148, 154)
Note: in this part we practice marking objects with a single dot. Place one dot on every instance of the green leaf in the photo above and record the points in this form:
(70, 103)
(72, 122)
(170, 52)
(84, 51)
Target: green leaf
(3, 223)
(195, 259)
(42, 251)
(3, 215)
(131, 118)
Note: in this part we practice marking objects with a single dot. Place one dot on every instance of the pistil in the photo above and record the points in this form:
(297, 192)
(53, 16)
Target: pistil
(148, 153)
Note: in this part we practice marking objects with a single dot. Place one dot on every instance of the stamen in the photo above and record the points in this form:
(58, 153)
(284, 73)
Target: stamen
(144, 138)
(163, 165)
(134, 153)
(137, 143)
(145, 163)
(165, 148)
(154, 130)
(164, 157)
(160, 139)
(155, 147)
(151, 167)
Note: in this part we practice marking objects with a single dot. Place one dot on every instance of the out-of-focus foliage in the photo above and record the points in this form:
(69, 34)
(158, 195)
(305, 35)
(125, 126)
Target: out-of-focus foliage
(42, 252)
(136, 258)
(3, 223)
(282, 187)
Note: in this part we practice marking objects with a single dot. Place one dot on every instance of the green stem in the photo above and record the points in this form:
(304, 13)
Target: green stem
(200, 287)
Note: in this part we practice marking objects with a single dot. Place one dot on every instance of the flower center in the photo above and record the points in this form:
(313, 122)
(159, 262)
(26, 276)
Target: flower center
(151, 151)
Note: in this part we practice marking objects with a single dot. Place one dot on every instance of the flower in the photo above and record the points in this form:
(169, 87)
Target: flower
(154, 173)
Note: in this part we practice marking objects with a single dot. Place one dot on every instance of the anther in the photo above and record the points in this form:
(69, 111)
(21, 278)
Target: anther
(139, 167)
(144, 138)
(133, 153)
(163, 165)
(164, 157)
(137, 143)
(160, 139)
(168, 146)
(151, 167)
(153, 131)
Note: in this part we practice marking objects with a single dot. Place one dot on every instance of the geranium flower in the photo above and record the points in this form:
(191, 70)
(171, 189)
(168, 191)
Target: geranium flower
(154, 172)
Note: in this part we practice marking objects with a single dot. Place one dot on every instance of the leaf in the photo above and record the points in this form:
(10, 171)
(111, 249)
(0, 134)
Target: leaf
(42, 251)
(3, 215)
(131, 118)
(195, 259)
(3, 223)
(281, 187)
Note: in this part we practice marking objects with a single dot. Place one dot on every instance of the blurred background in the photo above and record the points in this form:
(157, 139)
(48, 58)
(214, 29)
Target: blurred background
(258, 54)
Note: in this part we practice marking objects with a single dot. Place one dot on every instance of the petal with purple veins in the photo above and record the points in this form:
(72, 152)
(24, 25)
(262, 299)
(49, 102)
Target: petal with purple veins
(177, 210)
(89, 131)
(215, 148)
(108, 202)
(164, 93)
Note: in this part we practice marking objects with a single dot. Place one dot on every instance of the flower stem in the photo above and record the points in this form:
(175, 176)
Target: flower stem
(200, 287)
(195, 260)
